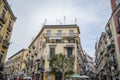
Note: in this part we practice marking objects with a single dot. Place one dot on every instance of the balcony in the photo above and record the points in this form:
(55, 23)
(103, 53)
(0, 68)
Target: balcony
(43, 57)
(70, 35)
(9, 28)
(41, 68)
(118, 30)
(3, 19)
(110, 48)
(108, 32)
(56, 36)
(32, 55)
(37, 60)
(112, 62)
(5, 44)
(50, 56)
(1, 38)
(111, 39)
(35, 53)
(52, 36)
(1, 66)
(70, 56)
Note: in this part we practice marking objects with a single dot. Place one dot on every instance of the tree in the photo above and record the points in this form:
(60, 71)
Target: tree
(60, 62)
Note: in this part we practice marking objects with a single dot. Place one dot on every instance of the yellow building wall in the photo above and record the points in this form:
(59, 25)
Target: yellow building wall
(4, 28)
(60, 48)
(64, 30)
(24, 59)
(52, 76)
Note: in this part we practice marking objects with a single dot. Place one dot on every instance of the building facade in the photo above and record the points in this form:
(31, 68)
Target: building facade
(88, 66)
(7, 20)
(16, 64)
(53, 39)
(115, 20)
(106, 64)
(108, 59)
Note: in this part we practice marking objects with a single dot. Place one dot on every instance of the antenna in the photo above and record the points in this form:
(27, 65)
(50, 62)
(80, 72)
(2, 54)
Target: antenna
(59, 21)
(75, 21)
(43, 24)
(33, 38)
(64, 19)
(45, 21)
(56, 21)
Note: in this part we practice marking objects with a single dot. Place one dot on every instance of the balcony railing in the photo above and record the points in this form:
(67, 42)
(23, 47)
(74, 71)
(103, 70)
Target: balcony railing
(5, 44)
(3, 19)
(41, 68)
(112, 62)
(43, 57)
(9, 28)
(118, 30)
(37, 60)
(1, 66)
(108, 32)
(56, 36)
(1, 38)
(70, 56)
(35, 53)
(50, 56)
(110, 48)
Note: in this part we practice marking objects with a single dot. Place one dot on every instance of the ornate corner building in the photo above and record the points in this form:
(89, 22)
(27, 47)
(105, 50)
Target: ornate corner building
(53, 39)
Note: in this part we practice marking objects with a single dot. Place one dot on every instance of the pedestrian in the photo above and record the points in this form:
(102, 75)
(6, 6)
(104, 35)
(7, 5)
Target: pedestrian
(8, 78)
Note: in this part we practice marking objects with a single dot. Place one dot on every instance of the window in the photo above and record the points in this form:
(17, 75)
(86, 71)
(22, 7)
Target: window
(71, 32)
(52, 50)
(0, 28)
(3, 13)
(1, 56)
(71, 41)
(119, 21)
(48, 32)
(117, 2)
(59, 33)
(58, 40)
(10, 22)
(69, 52)
(7, 35)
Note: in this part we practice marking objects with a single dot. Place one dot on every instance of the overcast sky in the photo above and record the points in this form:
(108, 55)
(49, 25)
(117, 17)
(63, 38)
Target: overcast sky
(91, 15)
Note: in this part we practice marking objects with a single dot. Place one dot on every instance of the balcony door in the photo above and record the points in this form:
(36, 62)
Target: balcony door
(52, 50)
(69, 52)
(48, 33)
(59, 34)
(71, 32)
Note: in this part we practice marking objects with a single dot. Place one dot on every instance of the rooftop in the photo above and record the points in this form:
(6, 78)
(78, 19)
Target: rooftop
(16, 53)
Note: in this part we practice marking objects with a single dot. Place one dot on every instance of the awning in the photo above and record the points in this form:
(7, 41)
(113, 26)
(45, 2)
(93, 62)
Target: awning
(84, 76)
(75, 75)
(72, 46)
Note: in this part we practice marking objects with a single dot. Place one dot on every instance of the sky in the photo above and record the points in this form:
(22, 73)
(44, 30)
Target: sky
(91, 17)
